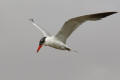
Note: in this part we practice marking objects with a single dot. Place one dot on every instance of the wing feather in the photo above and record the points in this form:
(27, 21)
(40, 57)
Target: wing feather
(72, 24)
(44, 33)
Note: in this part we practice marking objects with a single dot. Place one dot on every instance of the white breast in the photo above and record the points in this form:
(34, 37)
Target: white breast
(55, 43)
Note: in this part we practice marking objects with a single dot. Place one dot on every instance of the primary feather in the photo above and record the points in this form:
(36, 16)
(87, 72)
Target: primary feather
(70, 25)
(44, 33)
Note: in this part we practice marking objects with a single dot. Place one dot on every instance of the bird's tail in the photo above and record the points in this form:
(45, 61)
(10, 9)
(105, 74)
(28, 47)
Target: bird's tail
(71, 50)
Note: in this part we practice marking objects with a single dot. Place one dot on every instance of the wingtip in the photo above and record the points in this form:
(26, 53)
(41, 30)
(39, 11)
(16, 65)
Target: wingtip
(114, 12)
(110, 13)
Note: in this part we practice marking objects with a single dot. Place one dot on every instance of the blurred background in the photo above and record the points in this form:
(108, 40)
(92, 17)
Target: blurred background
(98, 42)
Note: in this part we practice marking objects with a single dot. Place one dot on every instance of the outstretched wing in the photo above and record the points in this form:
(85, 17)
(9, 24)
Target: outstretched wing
(70, 25)
(44, 33)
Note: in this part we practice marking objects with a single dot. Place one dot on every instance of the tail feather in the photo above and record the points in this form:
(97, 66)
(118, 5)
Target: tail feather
(68, 49)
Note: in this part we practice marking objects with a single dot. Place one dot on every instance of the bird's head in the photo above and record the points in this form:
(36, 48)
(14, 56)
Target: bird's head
(42, 41)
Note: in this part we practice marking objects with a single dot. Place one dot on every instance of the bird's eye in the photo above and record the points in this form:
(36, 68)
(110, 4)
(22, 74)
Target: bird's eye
(42, 40)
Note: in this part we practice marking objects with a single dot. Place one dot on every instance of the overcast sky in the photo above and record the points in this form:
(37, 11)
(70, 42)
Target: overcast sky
(98, 42)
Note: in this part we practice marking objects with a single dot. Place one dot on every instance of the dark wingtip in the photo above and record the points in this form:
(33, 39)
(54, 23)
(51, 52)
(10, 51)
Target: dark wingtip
(110, 13)
(113, 12)
(105, 14)
(98, 16)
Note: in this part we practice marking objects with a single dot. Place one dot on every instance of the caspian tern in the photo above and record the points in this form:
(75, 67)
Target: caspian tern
(58, 41)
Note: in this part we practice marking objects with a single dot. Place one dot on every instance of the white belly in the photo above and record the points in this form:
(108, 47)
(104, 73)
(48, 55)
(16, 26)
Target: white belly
(53, 42)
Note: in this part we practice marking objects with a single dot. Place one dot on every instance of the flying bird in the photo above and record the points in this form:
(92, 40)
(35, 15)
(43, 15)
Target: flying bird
(58, 41)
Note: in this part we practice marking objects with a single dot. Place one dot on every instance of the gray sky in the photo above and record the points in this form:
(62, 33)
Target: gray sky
(98, 42)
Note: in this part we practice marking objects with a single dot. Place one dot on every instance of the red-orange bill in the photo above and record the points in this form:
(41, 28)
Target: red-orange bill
(39, 48)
